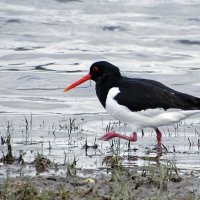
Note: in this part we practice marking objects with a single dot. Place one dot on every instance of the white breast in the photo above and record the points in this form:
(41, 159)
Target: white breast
(145, 118)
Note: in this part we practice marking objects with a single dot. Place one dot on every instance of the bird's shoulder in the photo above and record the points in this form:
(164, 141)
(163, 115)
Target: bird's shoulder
(141, 94)
(141, 83)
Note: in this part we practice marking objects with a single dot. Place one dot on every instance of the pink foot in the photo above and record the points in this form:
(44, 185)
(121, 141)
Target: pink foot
(110, 135)
(159, 140)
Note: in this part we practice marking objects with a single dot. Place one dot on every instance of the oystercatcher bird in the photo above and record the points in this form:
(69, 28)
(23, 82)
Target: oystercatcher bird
(141, 103)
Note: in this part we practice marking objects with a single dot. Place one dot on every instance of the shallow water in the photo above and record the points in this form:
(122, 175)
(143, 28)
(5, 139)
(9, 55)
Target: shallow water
(46, 45)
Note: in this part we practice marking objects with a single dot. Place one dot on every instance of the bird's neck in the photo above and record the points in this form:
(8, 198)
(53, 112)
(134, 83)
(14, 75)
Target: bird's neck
(103, 86)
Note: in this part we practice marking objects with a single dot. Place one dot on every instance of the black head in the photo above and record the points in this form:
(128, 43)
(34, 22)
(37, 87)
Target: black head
(103, 73)
(102, 69)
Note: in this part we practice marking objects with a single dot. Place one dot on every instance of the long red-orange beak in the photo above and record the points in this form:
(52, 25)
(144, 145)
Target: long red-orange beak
(82, 80)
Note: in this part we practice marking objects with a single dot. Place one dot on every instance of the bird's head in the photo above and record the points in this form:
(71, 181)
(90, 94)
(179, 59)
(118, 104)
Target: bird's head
(98, 71)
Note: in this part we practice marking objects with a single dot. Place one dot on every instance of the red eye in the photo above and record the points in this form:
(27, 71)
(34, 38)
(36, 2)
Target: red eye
(95, 68)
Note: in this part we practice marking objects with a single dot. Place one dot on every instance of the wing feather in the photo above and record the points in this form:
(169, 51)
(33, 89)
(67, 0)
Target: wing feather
(142, 94)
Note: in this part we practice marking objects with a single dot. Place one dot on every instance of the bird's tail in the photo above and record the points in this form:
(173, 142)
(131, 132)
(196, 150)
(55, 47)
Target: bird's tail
(195, 103)
(198, 100)
(189, 102)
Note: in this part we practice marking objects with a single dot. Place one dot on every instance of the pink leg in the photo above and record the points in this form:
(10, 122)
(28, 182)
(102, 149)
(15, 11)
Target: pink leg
(112, 134)
(159, 140)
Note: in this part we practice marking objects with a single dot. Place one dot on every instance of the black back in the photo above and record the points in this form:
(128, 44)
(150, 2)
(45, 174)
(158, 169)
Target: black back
(142, 94)
(138, 94)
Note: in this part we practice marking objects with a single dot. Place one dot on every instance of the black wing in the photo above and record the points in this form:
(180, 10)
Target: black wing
(141, 94)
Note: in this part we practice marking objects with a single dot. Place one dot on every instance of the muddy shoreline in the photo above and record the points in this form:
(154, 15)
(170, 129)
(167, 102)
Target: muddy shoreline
(115, 171)
(118, 183)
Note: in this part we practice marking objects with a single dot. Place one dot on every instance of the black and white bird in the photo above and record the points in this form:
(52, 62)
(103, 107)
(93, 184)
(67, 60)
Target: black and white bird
(140, 103)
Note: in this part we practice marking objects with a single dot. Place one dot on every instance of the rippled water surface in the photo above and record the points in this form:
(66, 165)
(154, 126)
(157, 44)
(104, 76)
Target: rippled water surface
(46, 45)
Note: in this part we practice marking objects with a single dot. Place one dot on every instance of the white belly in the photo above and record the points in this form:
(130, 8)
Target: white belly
(145, 118)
